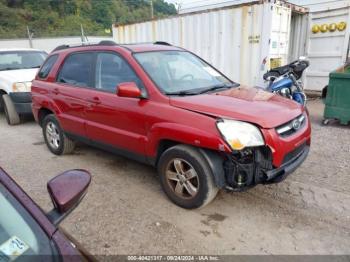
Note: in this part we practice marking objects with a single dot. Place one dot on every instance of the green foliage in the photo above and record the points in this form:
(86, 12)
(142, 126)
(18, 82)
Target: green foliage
(64, 17)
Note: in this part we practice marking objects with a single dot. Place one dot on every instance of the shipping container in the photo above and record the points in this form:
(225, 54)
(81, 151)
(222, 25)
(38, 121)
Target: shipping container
(243, 41)
(327, 41)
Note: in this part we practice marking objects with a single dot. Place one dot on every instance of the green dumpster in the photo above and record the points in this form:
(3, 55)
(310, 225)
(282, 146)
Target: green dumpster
(337, 101)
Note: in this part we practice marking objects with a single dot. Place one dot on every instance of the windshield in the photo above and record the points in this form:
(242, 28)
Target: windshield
(12, 60)
(180, 72)
(19, 232)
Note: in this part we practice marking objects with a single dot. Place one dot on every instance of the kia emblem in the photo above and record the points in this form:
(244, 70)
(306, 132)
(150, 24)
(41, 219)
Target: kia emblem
(296, 124)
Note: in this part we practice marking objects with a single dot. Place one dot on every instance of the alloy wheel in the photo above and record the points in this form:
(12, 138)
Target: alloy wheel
(182, 178)
(53, 135)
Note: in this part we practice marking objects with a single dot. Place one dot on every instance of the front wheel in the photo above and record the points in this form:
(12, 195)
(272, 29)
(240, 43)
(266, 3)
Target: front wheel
(186, 177)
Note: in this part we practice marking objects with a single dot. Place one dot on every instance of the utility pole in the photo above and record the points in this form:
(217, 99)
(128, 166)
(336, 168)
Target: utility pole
(30, 37)
(152, 12)
(83, 37)
(178, 7)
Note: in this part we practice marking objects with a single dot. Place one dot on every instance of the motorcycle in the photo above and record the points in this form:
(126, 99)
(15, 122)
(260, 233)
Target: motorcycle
(284, 80)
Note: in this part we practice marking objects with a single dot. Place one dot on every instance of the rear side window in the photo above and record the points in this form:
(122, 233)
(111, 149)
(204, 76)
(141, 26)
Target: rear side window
(77, 70)
(46, 68)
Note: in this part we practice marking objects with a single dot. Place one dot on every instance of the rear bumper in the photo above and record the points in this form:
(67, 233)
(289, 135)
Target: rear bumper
(22, 102)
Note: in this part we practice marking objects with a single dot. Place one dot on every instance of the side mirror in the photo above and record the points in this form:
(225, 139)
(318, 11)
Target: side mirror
(128, 89)
(66, 191)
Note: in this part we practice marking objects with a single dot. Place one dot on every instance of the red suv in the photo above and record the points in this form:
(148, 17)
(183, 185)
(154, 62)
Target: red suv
(165, 106)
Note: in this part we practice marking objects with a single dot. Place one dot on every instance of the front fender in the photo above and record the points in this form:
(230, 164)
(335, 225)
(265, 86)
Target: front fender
(185, 135)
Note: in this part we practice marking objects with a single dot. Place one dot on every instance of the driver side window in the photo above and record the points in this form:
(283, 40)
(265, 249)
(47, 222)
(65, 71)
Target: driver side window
(111, 70)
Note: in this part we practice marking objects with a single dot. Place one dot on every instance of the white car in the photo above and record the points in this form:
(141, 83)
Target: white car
(18, 68)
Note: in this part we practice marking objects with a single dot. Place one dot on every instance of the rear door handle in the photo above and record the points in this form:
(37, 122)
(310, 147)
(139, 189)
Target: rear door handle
(95, 100)
(55, 91)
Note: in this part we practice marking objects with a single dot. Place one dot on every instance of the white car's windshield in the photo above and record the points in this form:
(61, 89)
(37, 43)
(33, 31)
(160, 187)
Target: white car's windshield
(181, 73)
(13, 60)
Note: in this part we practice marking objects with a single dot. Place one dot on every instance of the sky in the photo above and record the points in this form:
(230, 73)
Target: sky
(193, 3)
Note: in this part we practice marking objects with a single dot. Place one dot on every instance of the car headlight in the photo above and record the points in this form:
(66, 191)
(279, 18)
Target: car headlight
(240, 134)
(22, 87)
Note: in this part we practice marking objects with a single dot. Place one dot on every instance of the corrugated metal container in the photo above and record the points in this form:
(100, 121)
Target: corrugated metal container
(329, 49)
(242, 41)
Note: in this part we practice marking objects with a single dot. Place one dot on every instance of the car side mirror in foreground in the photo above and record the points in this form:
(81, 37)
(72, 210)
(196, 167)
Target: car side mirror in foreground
(66, 191)
(128, 89)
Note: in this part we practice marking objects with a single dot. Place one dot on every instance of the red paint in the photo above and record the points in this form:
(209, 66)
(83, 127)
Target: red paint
(128, 89)
(62, 241)
(140, 124)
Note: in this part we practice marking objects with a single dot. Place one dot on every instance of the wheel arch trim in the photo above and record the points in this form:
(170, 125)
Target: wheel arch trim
(216, 164)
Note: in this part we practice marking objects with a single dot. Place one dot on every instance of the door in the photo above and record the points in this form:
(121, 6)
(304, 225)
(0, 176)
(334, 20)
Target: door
(74, 80)
(112, 120)
(327, 44)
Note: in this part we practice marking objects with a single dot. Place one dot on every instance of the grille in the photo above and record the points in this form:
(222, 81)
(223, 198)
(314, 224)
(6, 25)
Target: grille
(293, 154)
(292, 126)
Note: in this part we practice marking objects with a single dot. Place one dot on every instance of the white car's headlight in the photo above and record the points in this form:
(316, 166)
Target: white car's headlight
(240, 134)
(22, 87)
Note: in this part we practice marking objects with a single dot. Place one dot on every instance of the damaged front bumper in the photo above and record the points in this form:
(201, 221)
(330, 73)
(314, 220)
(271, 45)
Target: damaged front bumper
(278, 174)
(244, 170)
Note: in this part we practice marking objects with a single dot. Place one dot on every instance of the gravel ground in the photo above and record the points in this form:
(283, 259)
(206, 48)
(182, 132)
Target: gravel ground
(125, 211)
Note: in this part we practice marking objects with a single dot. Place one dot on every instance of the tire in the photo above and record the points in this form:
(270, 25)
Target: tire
(11, 114)
(55, 139)
(180, 189)
(1, 103)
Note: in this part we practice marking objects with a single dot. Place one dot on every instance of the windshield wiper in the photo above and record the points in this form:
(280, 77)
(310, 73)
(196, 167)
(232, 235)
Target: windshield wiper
(32, 67)
(9, 68)
(182, 93)
(202, 91)
(217, 87)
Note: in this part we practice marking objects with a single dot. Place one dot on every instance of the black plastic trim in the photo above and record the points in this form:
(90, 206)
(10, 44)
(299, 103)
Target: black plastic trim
(22, 102)
(115, 150)
(279, 174)
(216, 163)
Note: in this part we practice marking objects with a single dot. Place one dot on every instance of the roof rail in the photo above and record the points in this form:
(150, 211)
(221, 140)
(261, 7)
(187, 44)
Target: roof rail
(103, 42)
(60, 47)
(161, 43)
(107, 42)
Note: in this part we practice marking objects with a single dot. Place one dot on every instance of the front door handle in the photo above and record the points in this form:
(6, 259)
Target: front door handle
(95, 100)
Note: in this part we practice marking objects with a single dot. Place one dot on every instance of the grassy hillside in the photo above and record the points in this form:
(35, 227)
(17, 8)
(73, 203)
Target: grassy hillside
(64, 17)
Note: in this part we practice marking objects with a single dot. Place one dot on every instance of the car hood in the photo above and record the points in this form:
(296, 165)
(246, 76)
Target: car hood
(246, 104)
(20, 75)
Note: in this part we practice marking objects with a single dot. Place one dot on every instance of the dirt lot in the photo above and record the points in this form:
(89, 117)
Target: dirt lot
(125, 211)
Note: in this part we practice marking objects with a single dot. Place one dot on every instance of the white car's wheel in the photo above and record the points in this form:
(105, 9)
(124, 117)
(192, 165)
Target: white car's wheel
(11, 114)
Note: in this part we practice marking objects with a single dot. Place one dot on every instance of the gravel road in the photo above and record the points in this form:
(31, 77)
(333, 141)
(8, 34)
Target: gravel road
(126, 212)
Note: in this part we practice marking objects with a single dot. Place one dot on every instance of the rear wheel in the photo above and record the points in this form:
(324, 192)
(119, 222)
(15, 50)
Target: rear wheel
(1, 102)
(55, 139)
(11, 114)
(186, 177)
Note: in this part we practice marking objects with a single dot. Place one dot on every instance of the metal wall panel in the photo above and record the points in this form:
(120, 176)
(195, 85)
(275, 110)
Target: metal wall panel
(326, 51)
(236, 40)
(298, 35)
(47, 44)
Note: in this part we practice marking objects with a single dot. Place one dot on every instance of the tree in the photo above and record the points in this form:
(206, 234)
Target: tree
(64, 17)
